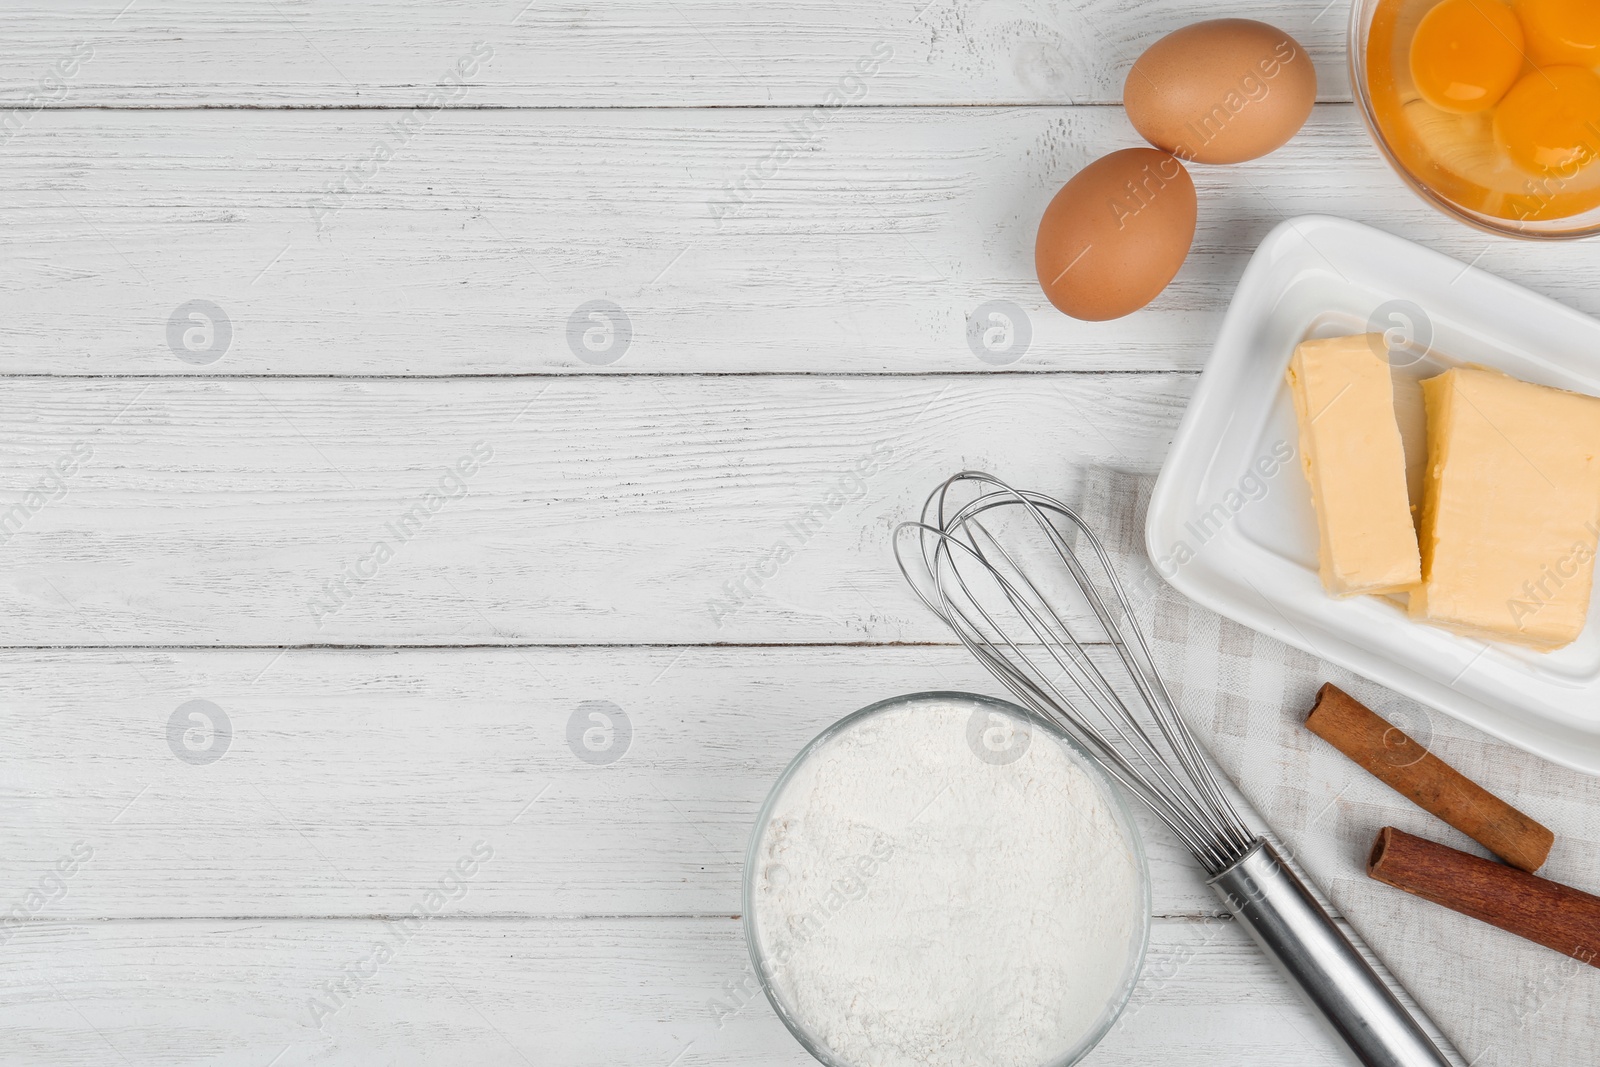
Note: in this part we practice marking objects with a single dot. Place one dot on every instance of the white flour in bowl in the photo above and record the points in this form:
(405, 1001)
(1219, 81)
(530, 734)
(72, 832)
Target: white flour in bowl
(926, 895)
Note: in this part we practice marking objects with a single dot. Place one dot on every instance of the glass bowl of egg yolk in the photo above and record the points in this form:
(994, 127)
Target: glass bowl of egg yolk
(1490, 109)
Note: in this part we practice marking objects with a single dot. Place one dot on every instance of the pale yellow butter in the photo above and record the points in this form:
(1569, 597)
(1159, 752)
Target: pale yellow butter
(1510, 505)
(1351, 452)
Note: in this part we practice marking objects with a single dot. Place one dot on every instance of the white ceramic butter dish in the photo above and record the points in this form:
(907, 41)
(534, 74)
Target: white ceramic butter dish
(1254, 558)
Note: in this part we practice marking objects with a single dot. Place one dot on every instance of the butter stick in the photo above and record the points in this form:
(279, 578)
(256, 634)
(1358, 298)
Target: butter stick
(1510, 508)
(1351, 452)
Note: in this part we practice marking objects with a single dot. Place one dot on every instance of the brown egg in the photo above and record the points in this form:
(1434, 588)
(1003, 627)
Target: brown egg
(1115, 234)
(1222, 91)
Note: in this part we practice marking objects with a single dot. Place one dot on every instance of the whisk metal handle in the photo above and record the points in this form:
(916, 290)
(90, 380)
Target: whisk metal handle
(1288, 923)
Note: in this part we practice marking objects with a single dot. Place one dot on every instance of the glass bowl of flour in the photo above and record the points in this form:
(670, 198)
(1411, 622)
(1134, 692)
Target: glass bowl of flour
(943, 879)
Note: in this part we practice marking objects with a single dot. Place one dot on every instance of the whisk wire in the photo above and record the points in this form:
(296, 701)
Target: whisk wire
(1080, 668)
(965, 562)
(1141, 668)
(1023, 683)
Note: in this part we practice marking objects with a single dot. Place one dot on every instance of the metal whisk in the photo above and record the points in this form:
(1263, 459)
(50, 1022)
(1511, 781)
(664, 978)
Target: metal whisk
(988, 563)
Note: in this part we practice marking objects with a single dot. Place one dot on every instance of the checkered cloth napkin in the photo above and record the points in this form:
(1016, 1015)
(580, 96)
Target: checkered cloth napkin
(1505, 1002)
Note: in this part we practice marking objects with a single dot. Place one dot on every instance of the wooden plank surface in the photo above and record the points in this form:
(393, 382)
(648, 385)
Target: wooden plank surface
(342, 783)
(626, 53)
(722, 509)
(532, 993)
(887, 245)
(631, 274)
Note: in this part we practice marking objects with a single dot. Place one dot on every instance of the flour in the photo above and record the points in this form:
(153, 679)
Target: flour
(926, 899)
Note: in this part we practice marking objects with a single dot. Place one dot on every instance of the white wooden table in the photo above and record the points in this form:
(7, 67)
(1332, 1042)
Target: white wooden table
(579, 503)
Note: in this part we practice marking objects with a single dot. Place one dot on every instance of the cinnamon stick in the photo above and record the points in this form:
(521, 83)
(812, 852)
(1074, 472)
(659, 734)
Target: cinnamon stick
(1426, 780)
(1546, 912)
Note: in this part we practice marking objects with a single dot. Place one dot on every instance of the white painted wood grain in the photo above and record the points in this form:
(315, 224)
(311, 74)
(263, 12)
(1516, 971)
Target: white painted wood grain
(870, 250)
(564, 53)
(348, 782)
(219, 896)
(637, 509)
(533, 993)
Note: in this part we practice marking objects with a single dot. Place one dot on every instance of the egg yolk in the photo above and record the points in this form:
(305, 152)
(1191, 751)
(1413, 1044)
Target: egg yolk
(1466, 54)
(1550, 120)
(1561, 32)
